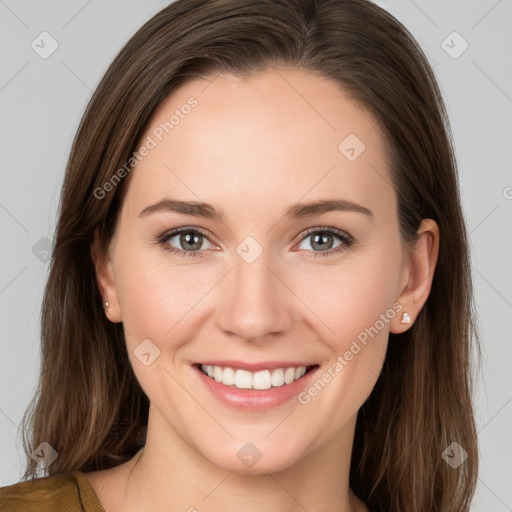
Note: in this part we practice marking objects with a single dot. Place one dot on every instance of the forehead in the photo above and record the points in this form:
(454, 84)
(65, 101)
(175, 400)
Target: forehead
(268, 141)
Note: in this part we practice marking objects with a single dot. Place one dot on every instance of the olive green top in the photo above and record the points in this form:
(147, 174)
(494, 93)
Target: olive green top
(66, 492)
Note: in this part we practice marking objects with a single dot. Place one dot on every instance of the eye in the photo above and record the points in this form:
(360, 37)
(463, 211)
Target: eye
(191, 240)
(322, 238)
(188, 238)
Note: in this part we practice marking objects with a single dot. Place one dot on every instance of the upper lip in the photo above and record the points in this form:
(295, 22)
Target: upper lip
(254, 367)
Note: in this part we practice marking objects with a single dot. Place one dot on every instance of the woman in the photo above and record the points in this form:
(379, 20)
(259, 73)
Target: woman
(260, 290)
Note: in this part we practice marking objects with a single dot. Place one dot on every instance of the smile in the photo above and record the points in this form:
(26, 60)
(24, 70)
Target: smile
(263, 379)
(254, 386)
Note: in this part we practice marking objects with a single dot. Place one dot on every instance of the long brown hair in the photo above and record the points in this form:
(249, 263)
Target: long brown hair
(89, 406)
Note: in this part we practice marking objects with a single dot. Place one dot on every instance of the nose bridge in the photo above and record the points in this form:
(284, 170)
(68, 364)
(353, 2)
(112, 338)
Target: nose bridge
(254, 303)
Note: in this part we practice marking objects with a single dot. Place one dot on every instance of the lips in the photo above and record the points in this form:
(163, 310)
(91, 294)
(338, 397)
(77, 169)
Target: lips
(255, 395)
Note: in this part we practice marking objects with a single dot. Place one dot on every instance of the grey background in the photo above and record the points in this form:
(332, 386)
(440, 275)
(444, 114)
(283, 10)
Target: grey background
(41, 103)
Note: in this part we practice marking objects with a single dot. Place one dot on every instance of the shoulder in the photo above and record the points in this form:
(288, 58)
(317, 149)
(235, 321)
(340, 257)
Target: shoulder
(66, 491)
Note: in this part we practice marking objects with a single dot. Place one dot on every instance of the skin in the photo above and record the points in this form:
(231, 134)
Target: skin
(252, 148)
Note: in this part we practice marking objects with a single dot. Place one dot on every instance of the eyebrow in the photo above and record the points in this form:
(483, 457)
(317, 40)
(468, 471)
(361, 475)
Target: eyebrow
(295, 211)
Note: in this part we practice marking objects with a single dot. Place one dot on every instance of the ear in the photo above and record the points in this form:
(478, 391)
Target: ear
(417, 274)
(105, 280)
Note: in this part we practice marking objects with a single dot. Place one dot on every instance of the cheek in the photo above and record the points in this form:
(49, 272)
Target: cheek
(353, 306)
(155, 295)
(348, 297)
(159, 302)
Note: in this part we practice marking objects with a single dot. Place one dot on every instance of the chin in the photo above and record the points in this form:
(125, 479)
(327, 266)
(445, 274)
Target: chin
(254, 458)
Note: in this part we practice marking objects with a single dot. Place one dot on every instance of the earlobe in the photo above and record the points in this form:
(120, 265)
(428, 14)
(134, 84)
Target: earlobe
(105, 280)
(421, 263)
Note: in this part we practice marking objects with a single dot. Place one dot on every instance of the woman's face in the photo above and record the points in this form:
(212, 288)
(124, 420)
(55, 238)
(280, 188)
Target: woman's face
(260, 282)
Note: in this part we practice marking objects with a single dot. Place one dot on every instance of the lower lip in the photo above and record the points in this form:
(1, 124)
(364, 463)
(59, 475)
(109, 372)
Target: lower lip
(254, 399)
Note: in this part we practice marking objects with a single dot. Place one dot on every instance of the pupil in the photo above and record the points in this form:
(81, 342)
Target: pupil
(319, 239)
(186, 239)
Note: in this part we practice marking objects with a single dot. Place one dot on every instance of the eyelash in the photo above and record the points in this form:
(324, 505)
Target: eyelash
(347, 241)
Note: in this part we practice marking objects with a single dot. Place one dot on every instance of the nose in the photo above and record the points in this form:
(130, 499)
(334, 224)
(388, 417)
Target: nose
(255, 302)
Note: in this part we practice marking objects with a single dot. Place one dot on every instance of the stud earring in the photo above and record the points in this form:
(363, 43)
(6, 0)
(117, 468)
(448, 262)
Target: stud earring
(406, 319)
(105, 305)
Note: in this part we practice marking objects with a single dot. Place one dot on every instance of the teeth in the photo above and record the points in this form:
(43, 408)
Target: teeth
(243, 379)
